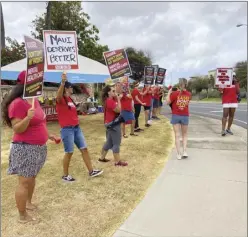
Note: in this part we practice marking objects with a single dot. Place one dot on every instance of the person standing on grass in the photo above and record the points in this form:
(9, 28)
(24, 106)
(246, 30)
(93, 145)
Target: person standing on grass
(28, 150)
(147, 99)
(180, 115)
(155, 103)
(112, 108)
(70, 131)
(137, 99)
(161, 96)
(229, 103)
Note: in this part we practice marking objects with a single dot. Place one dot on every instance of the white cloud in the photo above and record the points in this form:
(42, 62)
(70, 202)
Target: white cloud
(186, 38)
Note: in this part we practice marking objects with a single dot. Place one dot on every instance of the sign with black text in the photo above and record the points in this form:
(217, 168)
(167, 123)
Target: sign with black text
(61, 49)
(149, 72)
(118, 64)
(34, 80)
(160, 76)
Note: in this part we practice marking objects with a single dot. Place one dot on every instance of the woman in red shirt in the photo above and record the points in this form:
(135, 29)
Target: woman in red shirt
(180, 115)
(70, 131)
(147, 99)
(28, 150)
(230, 103)
(112, 107)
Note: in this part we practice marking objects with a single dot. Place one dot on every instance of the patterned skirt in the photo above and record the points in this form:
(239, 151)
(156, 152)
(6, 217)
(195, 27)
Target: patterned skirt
(26, 160)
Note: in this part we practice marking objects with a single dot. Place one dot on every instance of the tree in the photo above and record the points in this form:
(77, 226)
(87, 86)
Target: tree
(241, 73)
(69, 16)
(2, 28)
(138, 59)
(12, 52)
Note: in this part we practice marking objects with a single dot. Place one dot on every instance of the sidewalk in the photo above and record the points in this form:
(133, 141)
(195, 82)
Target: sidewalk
(204, 195)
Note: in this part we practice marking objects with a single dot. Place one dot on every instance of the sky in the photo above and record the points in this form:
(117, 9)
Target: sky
(187, 39)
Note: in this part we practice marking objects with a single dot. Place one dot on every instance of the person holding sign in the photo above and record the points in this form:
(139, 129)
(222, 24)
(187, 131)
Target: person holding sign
(28, 150)
(70, 130)
(147, 99)
(112, 108)
(230, 103)
(180, 115)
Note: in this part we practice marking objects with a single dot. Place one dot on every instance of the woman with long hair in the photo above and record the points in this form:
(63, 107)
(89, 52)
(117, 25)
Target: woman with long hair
(229, 103)
(28, 150)
(180, 115)
(70, 131)
(112, 107)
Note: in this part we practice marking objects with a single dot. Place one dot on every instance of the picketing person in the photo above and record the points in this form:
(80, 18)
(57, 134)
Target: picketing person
(161, 96)
(112, 108)
(180, 115)
(147, 99)
(71, 132)
(137, 99)
(156, 95)
(229, 103)
(28, 150)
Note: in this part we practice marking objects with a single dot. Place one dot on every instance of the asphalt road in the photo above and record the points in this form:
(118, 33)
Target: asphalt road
(214, 110)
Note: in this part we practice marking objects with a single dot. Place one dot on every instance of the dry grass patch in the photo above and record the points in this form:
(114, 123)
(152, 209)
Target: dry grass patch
(89, 207)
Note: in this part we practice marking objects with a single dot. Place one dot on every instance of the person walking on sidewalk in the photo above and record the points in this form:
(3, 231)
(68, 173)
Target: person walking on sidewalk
(229, 103)
(70, 130)
(180, 115)
(136, 94)
(112, 109)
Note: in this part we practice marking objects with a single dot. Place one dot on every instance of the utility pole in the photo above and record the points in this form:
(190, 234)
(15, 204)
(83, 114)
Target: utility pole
(2, 28)
(48, 16)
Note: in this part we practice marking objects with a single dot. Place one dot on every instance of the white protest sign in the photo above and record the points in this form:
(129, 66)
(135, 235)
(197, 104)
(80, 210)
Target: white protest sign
(61, 49)
(224, 77)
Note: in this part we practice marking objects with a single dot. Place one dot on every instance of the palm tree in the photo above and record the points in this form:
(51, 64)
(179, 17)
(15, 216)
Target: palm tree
(2, 28)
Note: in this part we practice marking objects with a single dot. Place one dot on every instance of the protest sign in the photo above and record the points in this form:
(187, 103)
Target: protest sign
(160, 76)
(33, 86)
(61, 49)
(224, 77)
(118, 64)
(155, 71)
(149, 75)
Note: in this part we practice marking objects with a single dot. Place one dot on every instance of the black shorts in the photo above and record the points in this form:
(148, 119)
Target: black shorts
(147, 107)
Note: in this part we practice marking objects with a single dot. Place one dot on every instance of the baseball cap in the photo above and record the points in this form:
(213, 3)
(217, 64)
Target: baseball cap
(68, 84)
(21, 78)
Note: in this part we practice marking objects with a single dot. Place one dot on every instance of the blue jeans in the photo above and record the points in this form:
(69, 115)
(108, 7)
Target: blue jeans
(72, 135)
(179, 119)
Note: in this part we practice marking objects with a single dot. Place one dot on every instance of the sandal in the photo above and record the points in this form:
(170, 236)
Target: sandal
(28, 219)
(103, 160)
(121, 163)
(133, 134)
(125, 136)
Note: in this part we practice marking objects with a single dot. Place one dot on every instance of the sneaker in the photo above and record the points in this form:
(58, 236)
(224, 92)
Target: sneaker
(229, 132)
(95, 173)
(68, 178)
(223, 133)
(185, 155)
(179, 157)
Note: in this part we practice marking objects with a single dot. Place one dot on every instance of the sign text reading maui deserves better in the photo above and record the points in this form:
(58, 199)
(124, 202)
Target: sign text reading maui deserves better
(61, 50)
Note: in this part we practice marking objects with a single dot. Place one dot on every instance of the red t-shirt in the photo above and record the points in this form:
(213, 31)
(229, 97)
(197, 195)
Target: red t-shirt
(126, 103)
(180, 102)
(230, 94)
(36, 132)
(67, 117)
(109, 113)
(147, 98)
(135, 93)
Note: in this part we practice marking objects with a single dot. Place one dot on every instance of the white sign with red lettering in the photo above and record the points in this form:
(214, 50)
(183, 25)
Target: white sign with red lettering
(224, 77)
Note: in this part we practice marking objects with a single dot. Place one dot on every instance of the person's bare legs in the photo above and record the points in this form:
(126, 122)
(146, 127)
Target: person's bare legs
(66, 163)
(31, 186)
(86, 158)
(230, 117)
(146, 116)
(132, 126)
(185, 139)
(176, 128)
(224, 120)
(117, 157)
(103, 154)
(22, 196)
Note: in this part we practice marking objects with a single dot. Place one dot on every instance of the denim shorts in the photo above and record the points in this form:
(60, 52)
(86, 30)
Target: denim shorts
(127, 115)
(179, 119)
(72, 135)
(155, 103)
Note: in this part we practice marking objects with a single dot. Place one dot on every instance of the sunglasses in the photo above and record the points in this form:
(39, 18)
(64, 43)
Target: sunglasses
(113, 91)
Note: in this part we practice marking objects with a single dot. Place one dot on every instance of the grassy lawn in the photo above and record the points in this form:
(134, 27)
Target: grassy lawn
(89, 207)
(244, 100)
